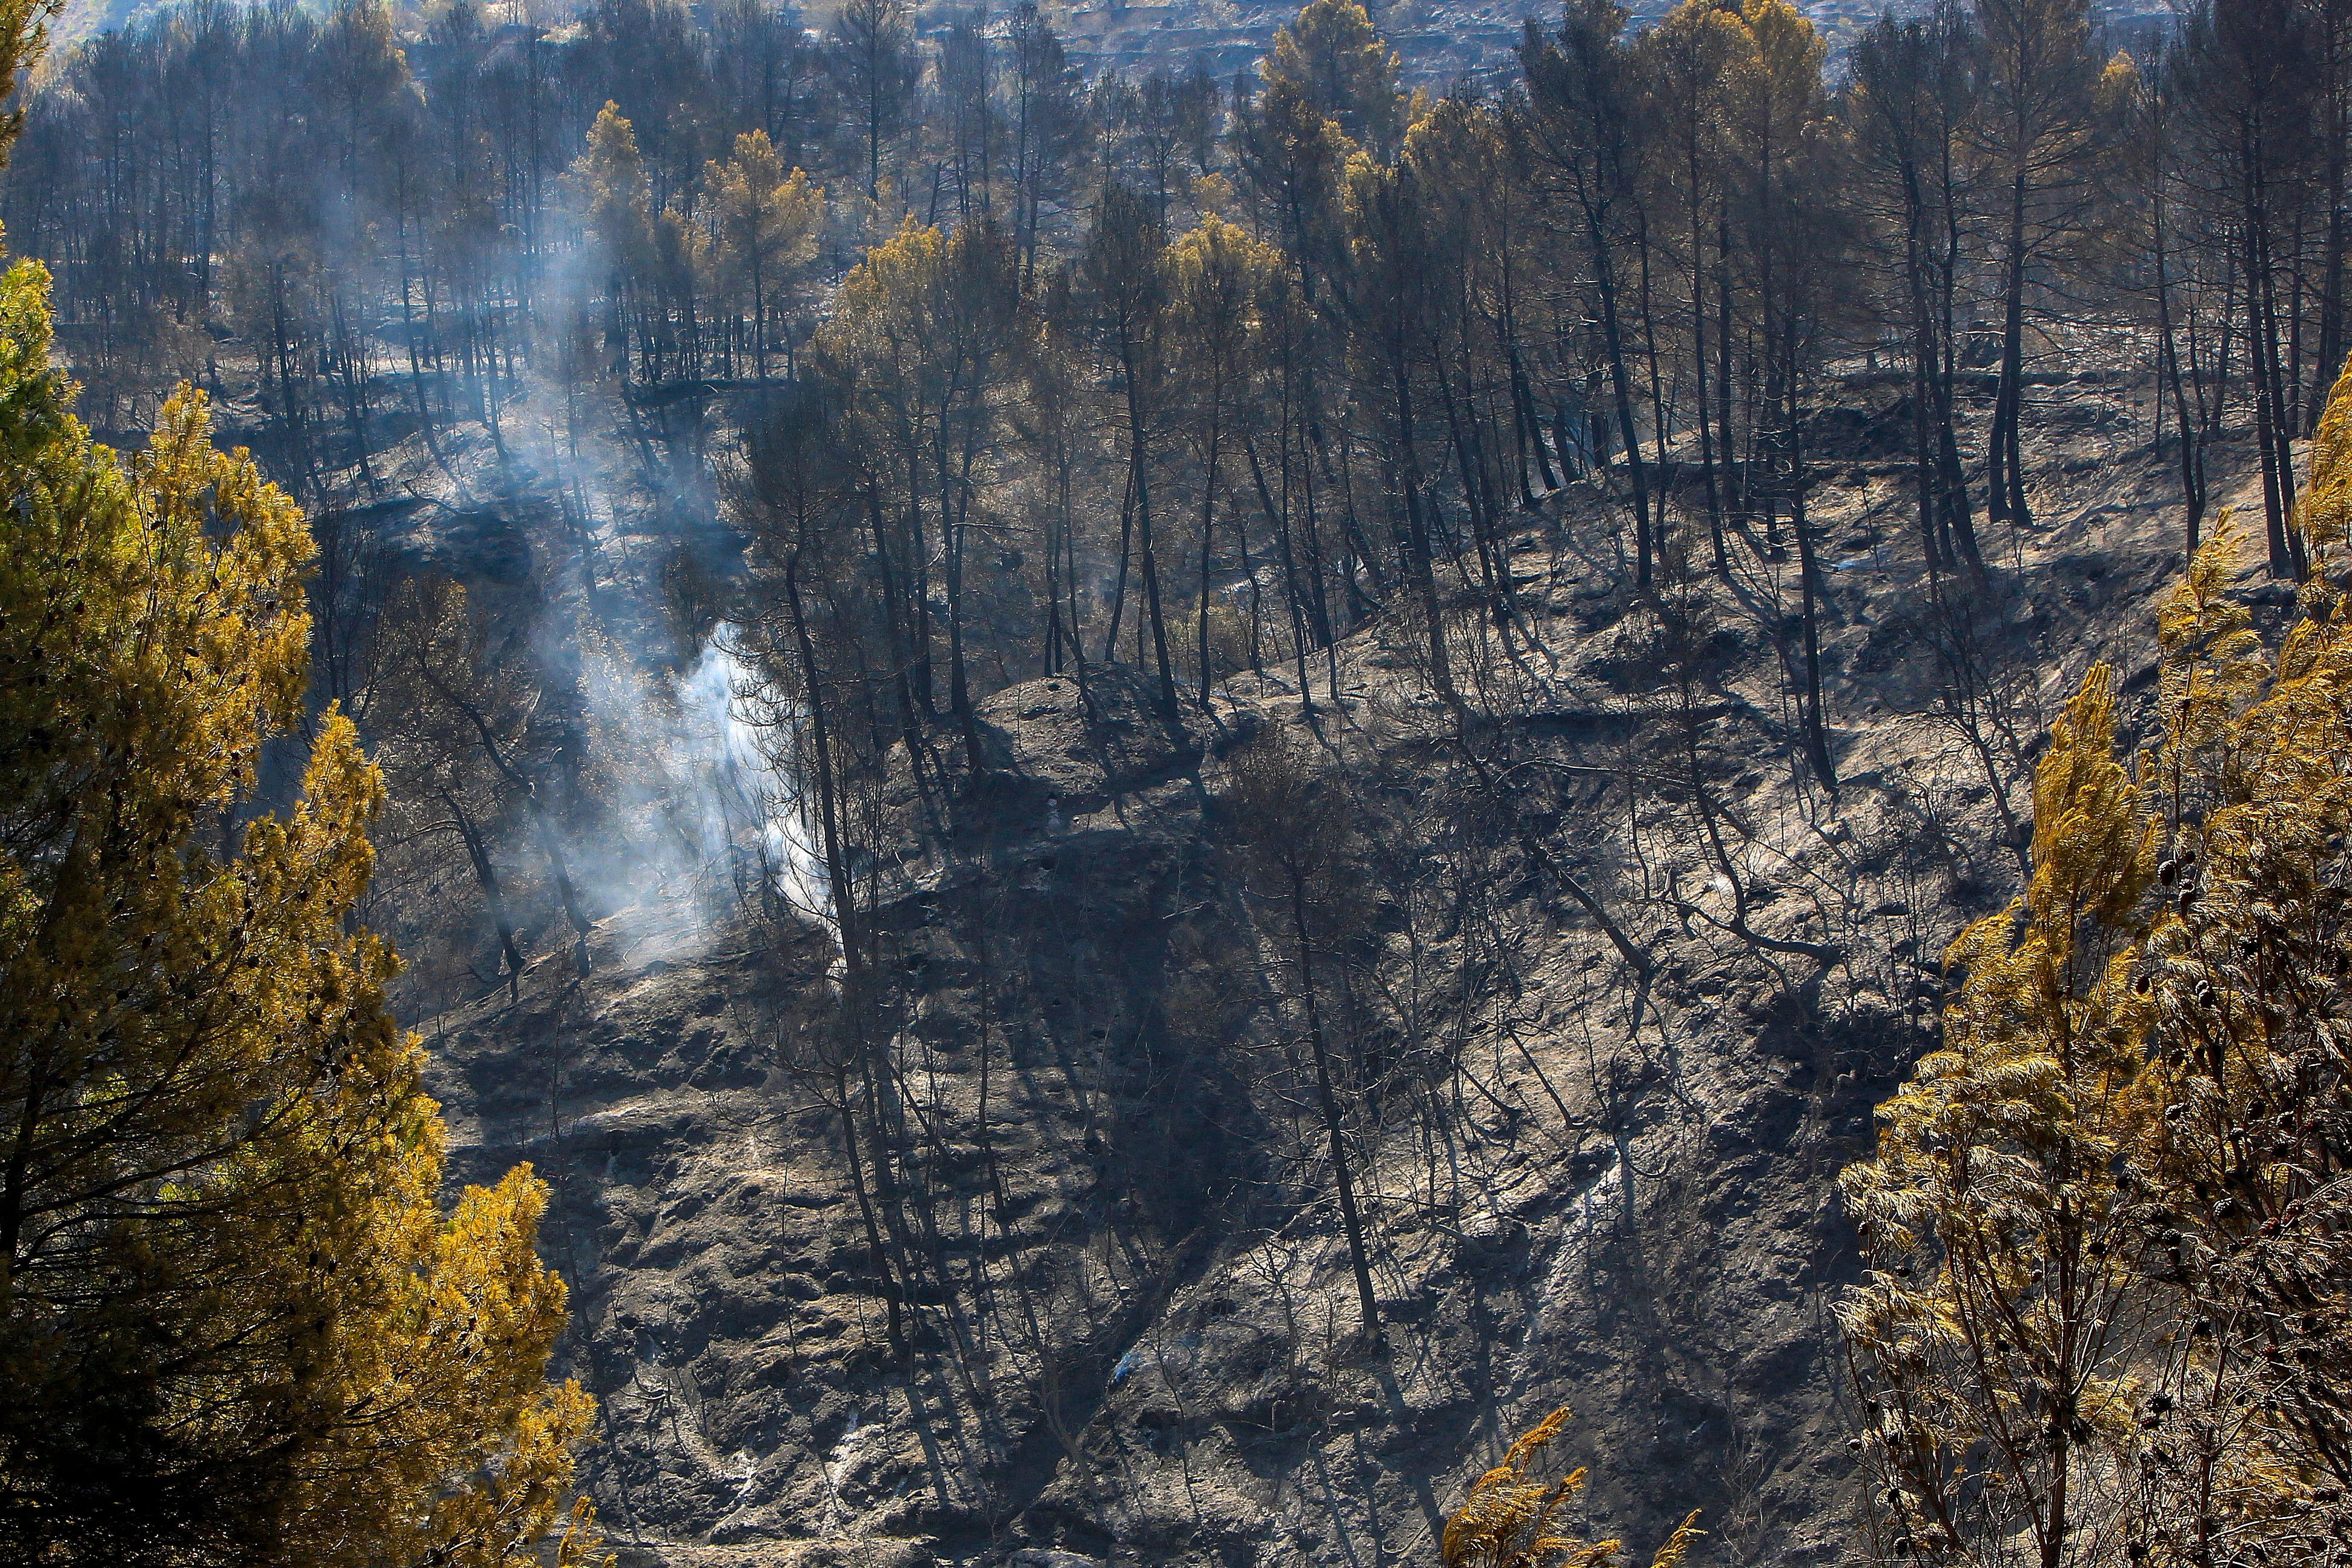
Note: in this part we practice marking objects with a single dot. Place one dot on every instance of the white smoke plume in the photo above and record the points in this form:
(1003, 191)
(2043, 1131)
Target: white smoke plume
(710, 814)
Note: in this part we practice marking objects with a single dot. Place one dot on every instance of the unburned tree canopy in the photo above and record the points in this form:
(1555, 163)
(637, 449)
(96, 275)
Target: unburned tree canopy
(767, 227)
(234, 1324)
(1333, 58)
(2106, 1220)
(1513, 1519)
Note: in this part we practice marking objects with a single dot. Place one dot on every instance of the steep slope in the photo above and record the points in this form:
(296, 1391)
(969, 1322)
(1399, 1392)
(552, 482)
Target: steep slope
(732, 1316)
(1131, 1327)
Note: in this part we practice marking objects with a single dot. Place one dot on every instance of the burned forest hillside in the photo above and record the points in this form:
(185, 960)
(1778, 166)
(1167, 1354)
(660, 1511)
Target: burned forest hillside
(1591, 1173)
(1167, 761)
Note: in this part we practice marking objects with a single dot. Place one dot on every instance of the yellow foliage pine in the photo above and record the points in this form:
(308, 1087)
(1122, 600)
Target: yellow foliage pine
(1513, 1520)
(235, 1322)
(2106, 1316)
